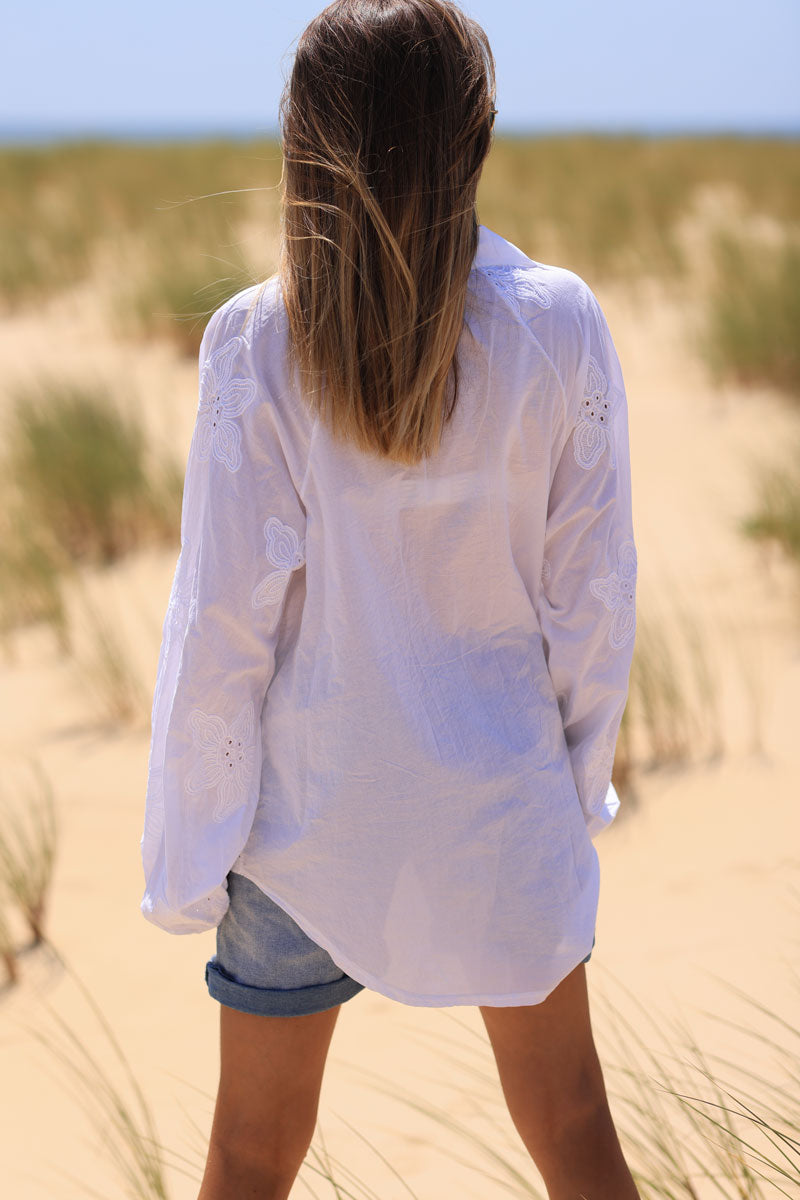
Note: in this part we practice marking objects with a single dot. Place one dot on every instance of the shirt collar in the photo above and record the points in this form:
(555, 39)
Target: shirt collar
(494, 251)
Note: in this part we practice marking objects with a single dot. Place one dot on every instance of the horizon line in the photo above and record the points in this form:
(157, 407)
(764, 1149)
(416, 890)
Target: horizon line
(38, 133)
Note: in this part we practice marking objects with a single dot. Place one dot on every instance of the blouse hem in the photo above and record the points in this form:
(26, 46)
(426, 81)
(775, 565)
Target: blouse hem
(490, 999)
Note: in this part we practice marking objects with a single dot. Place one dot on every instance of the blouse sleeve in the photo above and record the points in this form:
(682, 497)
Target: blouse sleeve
(589, 571)
(242, 535)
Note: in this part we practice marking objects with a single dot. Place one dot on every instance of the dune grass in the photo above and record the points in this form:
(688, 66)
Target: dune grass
(690, 1122)
(178, 294)
(28, 845)
(673, 715)
(32, 569)
(106, 668)
(80, 465)
(707, 1118)
(611, 206)
(601, 205)
(8, 948)
(753, 313)
(686, 1119)
(59, 205)
(776, 516)
(116, 1106)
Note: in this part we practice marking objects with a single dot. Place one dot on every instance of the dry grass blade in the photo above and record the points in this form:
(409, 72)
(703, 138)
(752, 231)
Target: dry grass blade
(108, 670)
(732, 1163)
(406, 1187)
(135, 1156)
(126, 1127)
(510, 1177)
(8, 952)
(324, 1168)
(28, 841)
(776, 517)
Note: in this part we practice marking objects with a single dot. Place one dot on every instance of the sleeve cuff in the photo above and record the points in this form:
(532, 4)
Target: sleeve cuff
(197, 917)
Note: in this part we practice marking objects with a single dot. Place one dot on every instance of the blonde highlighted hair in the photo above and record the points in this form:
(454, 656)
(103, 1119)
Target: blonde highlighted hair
(386, 121)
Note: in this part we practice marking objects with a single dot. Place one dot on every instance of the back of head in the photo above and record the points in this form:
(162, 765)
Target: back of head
(386, 123)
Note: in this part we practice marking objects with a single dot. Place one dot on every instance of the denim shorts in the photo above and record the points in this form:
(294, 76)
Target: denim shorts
(265, 964)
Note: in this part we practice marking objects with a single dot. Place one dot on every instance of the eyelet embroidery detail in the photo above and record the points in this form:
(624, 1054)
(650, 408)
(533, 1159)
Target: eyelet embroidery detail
(227, 757)
(223, 396)
(593, 430)
(618, 593)
(516, 283)
(286, 551)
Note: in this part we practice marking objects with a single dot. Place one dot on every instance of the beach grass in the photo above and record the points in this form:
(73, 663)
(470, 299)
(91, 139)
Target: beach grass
(604, 206)
(673, 715)
(32, 570)
(177, 295)
(28, 844)
(65, 208)
(80, 465)
(775, 519)
(111, 1096)
(106, 667)
(753, 313)
(690, 1118)
(8, 947)
(691, 1123)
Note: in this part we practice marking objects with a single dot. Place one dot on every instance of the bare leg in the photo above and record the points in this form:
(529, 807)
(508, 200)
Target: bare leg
(271, 1072)
(553, 1084)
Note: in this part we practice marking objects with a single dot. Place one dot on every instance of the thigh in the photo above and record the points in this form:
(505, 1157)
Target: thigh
(271, 1071)
(545, 1052)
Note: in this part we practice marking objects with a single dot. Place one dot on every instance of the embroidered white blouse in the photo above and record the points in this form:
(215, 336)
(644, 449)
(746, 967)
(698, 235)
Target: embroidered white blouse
(390, 695)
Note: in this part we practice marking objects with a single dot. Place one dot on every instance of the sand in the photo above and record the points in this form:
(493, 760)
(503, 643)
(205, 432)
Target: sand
(700, 875)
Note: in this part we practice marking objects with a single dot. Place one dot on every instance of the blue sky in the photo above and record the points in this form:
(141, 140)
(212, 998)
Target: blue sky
(571, 64)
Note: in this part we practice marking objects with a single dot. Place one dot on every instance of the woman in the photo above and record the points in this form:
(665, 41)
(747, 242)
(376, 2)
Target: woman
(380, 756)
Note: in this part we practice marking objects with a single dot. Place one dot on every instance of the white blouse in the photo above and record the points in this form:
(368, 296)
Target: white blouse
(390, 695)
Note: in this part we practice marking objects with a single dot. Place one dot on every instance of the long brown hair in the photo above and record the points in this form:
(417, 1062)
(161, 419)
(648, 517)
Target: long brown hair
(386, 122)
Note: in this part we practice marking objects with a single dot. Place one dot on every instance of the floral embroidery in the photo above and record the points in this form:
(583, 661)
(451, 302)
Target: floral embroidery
(600, 759)
(593, 429)
(223, 396)
(153, 813)
(182, 608)
(546, 571)
(227, 757)
(618, 593)
(286, 551)
(516, 283)
(181, 612)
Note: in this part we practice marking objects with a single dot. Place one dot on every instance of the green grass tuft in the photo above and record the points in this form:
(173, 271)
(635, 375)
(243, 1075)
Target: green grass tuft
(81, 466)
(751, 335)
(176, 298)
(776, 517)
(32, 567)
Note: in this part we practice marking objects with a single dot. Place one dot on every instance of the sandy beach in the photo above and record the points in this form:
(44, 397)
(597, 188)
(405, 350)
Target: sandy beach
(700, 873)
